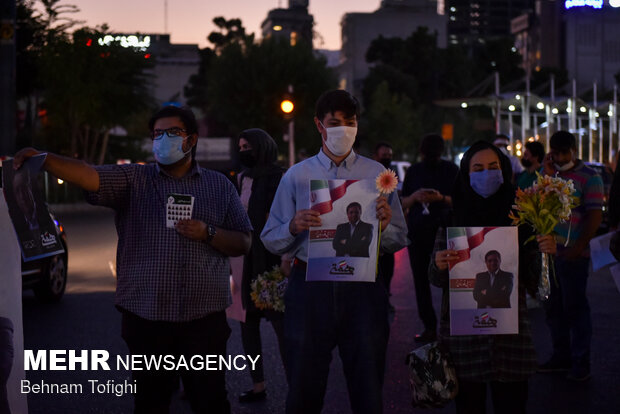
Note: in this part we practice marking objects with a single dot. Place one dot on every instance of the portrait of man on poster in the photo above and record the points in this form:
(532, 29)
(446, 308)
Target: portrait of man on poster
(494, 286)
(353, 238)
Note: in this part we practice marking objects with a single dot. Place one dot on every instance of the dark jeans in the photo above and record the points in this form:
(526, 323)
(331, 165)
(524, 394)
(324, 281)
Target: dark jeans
(419, 257)
(320, 316)
(507, 397)
(252, 345)
(568, 311)
(205, 390)
(6, 361)
(386, 270)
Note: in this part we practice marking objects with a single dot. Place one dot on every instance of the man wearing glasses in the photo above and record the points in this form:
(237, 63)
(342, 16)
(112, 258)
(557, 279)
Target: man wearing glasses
(172, 279)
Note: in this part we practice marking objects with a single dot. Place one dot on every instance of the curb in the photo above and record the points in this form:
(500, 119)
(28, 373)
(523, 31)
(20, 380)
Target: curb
(76, 208)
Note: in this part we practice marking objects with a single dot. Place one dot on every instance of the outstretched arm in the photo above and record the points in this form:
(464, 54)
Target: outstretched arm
(74, 171)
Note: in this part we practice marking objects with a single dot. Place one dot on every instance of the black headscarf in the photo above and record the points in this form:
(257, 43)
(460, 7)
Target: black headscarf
(471, 209)
(266, 175)
(264, 149)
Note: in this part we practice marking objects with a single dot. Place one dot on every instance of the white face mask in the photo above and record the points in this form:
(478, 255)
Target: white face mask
(564, 167)
(340, 139)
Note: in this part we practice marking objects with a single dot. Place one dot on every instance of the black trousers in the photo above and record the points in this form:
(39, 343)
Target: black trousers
(419, 257)
(386, 270)
(252, 344)
(507, 397)
(205, 389)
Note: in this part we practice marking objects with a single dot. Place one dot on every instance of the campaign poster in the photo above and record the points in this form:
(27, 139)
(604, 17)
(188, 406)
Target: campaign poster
(484, 283)
(37, 234)
(344, 248)
(11, 333)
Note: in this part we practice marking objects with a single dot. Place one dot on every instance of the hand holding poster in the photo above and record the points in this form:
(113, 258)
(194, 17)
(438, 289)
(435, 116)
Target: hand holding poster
(484, 281)
(344, 247)
(37, 233)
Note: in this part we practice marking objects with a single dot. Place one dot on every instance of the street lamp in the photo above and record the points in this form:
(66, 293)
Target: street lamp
(287, 107)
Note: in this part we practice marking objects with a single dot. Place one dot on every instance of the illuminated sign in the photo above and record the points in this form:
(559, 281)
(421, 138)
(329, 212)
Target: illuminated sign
(140, 42)
(614, 3)
(597, 4)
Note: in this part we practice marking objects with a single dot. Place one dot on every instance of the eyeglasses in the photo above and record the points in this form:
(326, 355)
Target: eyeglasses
(171, 132)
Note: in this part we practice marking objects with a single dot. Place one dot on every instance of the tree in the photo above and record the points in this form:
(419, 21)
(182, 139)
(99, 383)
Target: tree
(90, 88)
(417, 69)
(244, 82)
(30, 40)
(391, 116)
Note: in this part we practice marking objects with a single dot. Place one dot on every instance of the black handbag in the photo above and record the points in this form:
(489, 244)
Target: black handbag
(432, 376)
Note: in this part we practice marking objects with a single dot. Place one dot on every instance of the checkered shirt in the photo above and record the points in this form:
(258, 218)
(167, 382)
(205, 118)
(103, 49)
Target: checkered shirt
(488, 357)
(162, 275)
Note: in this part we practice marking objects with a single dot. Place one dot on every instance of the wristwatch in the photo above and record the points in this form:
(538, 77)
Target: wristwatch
(211, 232)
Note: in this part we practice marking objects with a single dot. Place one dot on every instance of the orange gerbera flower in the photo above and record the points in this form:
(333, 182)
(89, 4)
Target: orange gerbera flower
(386, 182)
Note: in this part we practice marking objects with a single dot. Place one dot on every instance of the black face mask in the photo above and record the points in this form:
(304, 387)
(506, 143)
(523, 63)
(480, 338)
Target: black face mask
(526, 163)
(386, 162)
(247, 158)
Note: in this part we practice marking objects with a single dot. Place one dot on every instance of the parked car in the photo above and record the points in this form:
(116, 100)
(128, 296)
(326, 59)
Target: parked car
(47, 277)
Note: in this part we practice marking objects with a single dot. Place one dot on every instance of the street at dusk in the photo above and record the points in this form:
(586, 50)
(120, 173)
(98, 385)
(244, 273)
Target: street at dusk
(309, 207)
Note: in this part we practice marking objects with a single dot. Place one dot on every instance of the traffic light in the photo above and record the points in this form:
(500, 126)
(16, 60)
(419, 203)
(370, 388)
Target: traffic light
(287, 106)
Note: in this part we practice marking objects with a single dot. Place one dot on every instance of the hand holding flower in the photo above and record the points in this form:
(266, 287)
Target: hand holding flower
(546, 244)
(384, 211)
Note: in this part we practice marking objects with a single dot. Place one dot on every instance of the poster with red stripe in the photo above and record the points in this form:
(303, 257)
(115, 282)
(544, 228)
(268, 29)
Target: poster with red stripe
(484, 281)
(344, 247)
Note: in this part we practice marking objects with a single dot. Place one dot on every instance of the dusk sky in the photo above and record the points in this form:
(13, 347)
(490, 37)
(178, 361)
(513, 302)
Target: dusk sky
(190, 21)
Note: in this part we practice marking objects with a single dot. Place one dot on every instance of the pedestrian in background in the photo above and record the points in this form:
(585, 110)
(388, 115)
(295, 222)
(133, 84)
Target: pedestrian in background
(483, 196)
(568, 309)
(532, 159)
(258, 182)
(503, 142)
(426, 193)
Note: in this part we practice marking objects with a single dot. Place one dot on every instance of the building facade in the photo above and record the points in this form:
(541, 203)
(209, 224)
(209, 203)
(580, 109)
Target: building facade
(581, 36)
(472, 22)
(293, 23)
(394, 18)
(174, 63)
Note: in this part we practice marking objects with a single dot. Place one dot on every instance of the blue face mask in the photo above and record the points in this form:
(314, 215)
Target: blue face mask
(169, 149)
(486, 182)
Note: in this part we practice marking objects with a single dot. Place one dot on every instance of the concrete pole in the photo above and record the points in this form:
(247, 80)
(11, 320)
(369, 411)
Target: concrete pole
(580, 139)
(291, 143)
(600, 139)
(613, 122)
(498, 117)
(572, 116)
(591, 127)
(7, 77)
(510, 132)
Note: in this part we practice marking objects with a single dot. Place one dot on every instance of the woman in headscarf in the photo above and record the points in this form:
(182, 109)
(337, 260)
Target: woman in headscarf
(258, 183)
(483, 196)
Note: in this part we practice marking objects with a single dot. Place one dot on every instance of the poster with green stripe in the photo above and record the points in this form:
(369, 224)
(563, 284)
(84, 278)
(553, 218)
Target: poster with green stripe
(484, 283)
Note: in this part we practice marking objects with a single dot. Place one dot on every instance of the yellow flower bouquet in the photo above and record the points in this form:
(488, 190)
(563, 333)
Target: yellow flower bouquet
(268, 290)
(546, 203)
